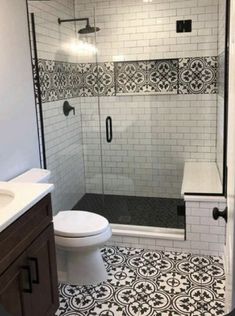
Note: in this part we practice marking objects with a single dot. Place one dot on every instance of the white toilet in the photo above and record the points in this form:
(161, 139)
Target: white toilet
(78, 237)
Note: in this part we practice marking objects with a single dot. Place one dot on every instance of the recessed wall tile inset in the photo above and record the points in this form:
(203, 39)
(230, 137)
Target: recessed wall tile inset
(63, 80)
(163, 75)
(99, 79)
(198, 75)
(147, 77)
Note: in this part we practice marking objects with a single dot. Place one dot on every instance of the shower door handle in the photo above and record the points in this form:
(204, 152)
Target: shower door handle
(109, 129)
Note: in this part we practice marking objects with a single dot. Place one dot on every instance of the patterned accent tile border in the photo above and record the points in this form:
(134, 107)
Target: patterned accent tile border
(150, 283)
(198, 75)
(147, 77)
(98, 79)
(63, 80)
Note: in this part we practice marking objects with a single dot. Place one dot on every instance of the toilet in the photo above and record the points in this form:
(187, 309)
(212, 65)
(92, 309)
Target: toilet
(78, 237)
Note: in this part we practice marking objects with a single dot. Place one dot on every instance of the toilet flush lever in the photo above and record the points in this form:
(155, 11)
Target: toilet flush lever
(217, 213)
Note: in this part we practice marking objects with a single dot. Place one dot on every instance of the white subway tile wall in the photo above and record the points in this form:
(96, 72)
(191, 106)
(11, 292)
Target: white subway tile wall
(204, 235)
(134, 30)
(221, 26)
(63, 135)
(52, 37)
(64, 153)
(220, 135)
(152, 137)
(220, 95)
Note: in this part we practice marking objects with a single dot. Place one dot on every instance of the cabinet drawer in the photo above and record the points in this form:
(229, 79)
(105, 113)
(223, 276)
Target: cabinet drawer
(20, 234)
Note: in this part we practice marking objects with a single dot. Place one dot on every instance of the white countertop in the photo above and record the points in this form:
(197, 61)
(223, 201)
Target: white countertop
(201, 177)
(25, 195)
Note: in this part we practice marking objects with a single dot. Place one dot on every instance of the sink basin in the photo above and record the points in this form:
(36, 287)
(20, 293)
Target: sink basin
(6, 197)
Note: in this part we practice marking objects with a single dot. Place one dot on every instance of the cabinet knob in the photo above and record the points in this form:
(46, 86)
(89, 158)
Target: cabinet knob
(217, 213)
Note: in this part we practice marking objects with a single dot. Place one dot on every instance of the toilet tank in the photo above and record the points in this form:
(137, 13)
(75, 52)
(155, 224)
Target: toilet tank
(33, 176)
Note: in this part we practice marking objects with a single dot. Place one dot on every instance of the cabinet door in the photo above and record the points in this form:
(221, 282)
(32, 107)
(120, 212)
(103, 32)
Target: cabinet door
(42, 260)
(16, 289)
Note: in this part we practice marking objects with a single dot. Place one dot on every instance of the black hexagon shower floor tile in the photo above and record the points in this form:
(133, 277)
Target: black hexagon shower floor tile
(150, 283)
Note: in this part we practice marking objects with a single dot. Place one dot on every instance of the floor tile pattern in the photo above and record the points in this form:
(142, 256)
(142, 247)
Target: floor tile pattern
(198, 75)
(147, 77)
(135, 210)
(150, 283)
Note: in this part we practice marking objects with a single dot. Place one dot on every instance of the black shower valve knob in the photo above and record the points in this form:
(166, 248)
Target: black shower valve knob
(67, 108)
(217, 213)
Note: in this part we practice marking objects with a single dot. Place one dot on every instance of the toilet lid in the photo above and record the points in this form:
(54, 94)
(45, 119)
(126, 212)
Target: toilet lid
(79, 224)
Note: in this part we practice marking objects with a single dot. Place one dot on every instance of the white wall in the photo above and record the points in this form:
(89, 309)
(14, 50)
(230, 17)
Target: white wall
(18, 128)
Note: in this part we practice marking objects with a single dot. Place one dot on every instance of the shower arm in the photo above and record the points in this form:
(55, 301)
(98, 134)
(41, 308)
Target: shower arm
(73, 20)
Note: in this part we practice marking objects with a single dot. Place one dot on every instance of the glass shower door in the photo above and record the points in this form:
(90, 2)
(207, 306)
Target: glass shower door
(90, 120)
(118, 160)
(141, 184)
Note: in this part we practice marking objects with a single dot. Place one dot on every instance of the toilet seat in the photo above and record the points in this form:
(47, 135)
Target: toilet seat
(79, 224)
(73, 243)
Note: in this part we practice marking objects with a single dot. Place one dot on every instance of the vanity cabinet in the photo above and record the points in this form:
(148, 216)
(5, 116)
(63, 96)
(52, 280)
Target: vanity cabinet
(28, 272)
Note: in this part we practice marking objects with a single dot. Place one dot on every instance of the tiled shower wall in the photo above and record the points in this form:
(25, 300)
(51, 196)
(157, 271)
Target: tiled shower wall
(63, 135)
(139, 30)
(220, 95)
(152, 135)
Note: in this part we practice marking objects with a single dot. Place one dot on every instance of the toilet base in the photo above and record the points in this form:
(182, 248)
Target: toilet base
(81, 268)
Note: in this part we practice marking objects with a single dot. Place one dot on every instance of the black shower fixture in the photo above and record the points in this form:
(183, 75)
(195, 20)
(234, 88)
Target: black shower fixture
(88, 29)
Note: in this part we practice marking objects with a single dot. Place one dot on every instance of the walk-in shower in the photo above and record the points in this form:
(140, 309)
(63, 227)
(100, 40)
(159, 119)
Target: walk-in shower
(147, 100)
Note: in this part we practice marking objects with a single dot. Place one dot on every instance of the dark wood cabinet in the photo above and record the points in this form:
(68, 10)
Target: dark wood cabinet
(13, 298)
(41, 257)
(28, 273)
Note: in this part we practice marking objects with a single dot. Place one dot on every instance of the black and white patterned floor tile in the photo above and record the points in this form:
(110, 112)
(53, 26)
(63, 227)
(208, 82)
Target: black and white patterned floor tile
(150, 283)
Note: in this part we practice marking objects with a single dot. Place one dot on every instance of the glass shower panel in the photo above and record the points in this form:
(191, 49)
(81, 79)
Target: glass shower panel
(159, 111)
(141, 173)
(66, 51)
(222, 85)
(92, 200)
